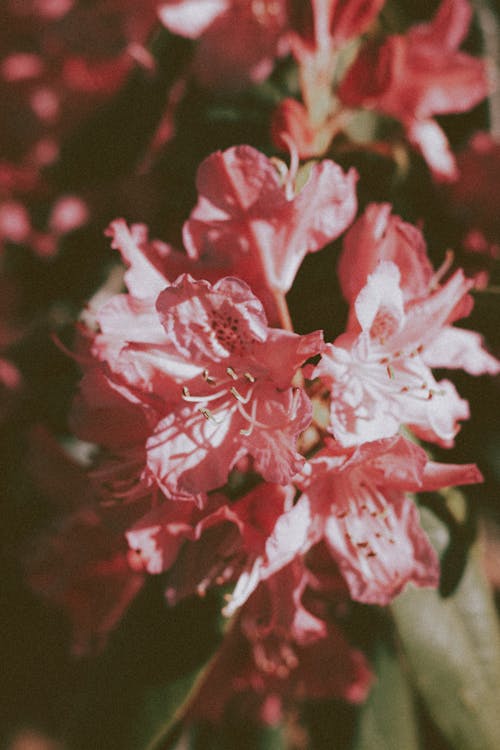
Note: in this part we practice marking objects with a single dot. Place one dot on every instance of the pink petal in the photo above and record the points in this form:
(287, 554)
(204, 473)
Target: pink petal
(211, 323)
(461, 349)
(244, 209)
(432, 142)
(144, 277)
(158, 536)
(438, 475)
(377, 236)
(283, 416)
(188, 453)
(379, 555)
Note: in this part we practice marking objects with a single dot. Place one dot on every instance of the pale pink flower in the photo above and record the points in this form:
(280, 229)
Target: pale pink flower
(418, 75)
(379, 236)
(377, 372)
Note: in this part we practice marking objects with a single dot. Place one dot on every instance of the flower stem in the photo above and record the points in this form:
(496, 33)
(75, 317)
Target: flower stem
(282, 309)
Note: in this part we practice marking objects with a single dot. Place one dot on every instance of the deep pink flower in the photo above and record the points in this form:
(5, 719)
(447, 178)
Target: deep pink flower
(415, 76)
(221, 541)
(246, 214)
(80, 563)
(82, 567)
(278, 652)
(356, 502)
(472, 198)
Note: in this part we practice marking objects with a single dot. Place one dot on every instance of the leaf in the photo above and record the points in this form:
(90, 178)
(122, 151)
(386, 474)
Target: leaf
(161, 720)
(453, 649)
(387, 719)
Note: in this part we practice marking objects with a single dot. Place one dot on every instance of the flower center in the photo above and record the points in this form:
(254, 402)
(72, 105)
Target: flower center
(226, 396)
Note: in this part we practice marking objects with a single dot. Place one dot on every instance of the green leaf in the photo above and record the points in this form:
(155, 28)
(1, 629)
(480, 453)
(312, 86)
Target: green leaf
(453, 648)
(161, 720)
(387, 719)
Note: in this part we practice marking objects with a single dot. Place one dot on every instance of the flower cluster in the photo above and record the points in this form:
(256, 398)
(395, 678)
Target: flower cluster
(232, 451)
(228, 462)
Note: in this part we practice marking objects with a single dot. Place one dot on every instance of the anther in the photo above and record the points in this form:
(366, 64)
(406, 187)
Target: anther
(390, 372)
(249, 377)
(185, 391)
(231, 373)
(208, 415)
(208, 378)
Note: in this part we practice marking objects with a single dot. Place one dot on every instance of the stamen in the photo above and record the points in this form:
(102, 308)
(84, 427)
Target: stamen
(251, 417)
(249, 377)
(239, 397)
(231, 373)
(209, 379)
(200, 399)
(442, 270)
(209, 416)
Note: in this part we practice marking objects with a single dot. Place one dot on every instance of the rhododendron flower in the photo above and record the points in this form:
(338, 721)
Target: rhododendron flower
(278, 651)
(377, 374)
(212, 377)
(80, 563)
(331, 23)
(356, 503)
(221, 540)
(415, 76)
(224, 59)
(378, 236)
(83, 568)
(240, 400)
(244, 212)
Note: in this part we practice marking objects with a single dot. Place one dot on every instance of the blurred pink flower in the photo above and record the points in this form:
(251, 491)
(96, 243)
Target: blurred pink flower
(414, 76)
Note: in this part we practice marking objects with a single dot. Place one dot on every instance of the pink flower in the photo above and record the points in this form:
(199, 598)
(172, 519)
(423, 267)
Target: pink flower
(278, 651)
(219, 542)
(237, 399)
(377, 236)
(356, 503)
(377, 372)
(80, 563)
(472, 198)
(415, 76)
(246, 214)
(82, 567)
(209, 377)
(224, 59)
